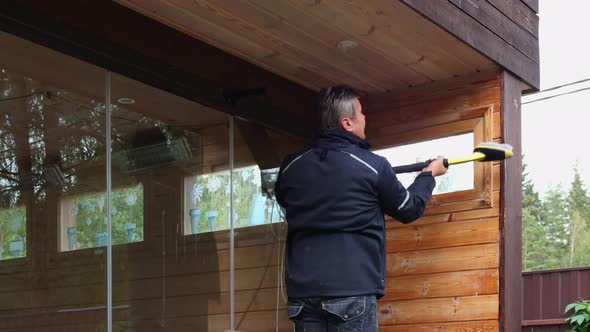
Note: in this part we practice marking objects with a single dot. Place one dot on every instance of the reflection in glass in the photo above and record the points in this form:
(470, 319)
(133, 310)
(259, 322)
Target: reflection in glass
(206, 194)
(169, 206)
(13, 232)
(84, 218)
(52, 147)
(170, 281)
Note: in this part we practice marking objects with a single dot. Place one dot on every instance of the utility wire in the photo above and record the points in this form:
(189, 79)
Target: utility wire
(566, 84)
(557, 95)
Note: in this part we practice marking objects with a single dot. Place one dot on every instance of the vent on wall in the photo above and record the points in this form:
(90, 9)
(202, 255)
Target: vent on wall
(156, 155)
(52, 175)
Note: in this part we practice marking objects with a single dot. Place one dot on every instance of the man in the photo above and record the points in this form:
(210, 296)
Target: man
(335, 194)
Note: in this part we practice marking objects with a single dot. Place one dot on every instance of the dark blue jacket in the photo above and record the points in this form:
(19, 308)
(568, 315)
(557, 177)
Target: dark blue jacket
(335, 194)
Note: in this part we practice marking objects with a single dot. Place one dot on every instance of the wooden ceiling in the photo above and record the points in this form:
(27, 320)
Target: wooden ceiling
(390, 46)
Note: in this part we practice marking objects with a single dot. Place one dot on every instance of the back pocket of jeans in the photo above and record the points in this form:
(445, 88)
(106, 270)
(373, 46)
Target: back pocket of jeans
(293, 309)
(347, 308)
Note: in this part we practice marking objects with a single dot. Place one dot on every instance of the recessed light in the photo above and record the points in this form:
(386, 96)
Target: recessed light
(126, 101)
(345, 45)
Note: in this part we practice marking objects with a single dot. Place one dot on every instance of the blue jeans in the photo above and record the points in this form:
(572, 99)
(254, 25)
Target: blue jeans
(343, 314)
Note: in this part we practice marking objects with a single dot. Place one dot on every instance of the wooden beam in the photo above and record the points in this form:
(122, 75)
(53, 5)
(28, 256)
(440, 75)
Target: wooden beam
(470, 31)
(511, 209)
(501, 25)
(168, 59)
(532, 4)
(520, 13)
(544, 322)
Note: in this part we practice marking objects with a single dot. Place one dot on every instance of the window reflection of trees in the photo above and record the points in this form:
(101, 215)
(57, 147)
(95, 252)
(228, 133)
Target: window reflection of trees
(52, 139)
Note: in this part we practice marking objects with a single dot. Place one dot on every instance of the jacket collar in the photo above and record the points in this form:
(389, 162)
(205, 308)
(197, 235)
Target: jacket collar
(339, 138)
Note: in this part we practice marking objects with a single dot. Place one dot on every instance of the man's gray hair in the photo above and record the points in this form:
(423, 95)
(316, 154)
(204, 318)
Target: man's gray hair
(334, 103)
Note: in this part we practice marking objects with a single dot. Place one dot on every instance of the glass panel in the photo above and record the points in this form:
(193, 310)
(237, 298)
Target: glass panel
(260, 295)
(169, 281)
(207, 192)
(458, 177)
(52, 148)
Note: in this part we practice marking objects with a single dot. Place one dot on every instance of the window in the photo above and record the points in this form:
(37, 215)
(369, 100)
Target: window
(207, 200)
(13, 233)
(84, 222)
(467, 186)
(458, 177)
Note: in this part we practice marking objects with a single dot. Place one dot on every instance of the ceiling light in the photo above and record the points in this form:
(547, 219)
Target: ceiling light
(345, 45)
(126, 101)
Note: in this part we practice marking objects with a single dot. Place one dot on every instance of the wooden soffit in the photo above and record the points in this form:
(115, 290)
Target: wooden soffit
(373, 45)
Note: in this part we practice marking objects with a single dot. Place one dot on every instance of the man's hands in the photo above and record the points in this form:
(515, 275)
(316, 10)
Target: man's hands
(436, 167)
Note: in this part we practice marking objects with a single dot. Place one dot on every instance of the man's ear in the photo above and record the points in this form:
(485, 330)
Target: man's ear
(346, 124)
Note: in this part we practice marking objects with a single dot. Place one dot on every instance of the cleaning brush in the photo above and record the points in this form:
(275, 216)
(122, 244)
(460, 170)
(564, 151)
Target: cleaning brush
(487, 151)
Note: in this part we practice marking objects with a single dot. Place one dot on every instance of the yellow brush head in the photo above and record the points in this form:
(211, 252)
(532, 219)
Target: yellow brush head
(486, 152)
(494, 151)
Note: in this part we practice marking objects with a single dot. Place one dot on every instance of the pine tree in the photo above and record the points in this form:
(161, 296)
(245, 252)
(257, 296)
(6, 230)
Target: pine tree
(555, 223)
(578, 200)
(534, 237)
(578, 206)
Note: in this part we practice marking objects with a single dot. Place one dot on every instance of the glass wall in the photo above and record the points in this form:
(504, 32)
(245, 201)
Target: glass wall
(197, 239)
(52, 175)
(172, 276)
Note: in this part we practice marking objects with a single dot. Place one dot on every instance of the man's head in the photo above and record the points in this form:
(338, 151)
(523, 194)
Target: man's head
(339, 107)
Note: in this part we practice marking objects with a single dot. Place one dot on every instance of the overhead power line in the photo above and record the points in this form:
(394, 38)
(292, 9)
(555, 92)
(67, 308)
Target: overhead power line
(564, 85)
(557, 95)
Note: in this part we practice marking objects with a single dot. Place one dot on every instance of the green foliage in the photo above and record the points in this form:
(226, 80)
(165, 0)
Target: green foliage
(580, 319)
(556, 229)
(12, 227)
(90, 213)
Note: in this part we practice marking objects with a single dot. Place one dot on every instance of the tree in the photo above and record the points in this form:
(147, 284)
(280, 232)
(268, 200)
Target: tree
(535, 240)
(555, 223)
(578, 199)
(578, 206)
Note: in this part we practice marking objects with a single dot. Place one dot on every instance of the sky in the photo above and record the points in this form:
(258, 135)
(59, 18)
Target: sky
(554, 131)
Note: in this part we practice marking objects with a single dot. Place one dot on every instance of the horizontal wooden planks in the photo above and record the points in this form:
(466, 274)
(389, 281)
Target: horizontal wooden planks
(479, 326)
(502, 25)
(447, 217)
(448, 284)
(520, 13)
(443, 235)
(453, 309)
(474, 257)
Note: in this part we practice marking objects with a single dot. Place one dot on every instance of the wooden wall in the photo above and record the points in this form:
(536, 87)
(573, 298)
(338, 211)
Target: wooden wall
(443, 270)
(506, 31)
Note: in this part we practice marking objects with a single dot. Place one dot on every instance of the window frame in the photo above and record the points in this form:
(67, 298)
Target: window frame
(478, 121)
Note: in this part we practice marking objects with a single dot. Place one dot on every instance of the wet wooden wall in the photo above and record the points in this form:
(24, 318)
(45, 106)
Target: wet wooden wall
(443, 270)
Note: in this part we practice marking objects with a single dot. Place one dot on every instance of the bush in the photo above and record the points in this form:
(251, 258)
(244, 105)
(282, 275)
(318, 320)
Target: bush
(580, 320)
